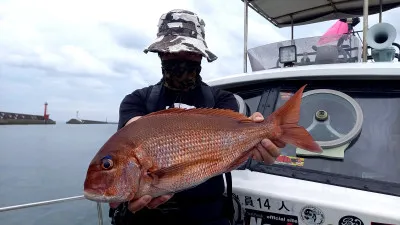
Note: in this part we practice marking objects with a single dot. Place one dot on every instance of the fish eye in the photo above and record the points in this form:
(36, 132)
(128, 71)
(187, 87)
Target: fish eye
(106, 163)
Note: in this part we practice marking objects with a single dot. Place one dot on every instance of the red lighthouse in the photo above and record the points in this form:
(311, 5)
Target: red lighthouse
(46, 116)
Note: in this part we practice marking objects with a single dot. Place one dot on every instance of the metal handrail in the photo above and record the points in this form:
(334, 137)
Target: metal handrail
(54, 201)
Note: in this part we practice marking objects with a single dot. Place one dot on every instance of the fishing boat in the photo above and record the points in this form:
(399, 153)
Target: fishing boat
(351, 106)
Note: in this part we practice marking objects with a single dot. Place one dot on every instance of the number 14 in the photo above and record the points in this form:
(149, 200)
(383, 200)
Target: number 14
(266, 203)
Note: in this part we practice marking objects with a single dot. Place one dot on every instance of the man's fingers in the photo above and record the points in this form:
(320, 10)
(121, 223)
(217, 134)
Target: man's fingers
(158, 201)
(256, 154)
(139, 203)
(257, 117)
(132, 119)
(266, 157)
(270, 147)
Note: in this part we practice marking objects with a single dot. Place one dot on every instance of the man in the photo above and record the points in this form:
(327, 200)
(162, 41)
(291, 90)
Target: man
(181, 46)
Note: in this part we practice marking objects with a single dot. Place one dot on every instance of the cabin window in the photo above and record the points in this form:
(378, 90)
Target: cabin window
(370, 162)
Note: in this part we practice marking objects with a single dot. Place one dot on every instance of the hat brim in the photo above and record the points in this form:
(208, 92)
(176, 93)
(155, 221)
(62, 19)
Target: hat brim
(173, 44)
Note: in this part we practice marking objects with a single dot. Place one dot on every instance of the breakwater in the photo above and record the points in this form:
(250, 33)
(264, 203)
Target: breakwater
(79, 121)
(10, 118)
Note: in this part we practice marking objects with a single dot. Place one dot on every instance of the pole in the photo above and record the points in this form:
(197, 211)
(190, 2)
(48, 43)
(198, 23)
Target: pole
(245, 36)
(291, 17)
(365, 30)
(380, 10)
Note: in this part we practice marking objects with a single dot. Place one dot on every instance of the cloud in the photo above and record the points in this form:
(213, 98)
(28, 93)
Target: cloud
(87, 55)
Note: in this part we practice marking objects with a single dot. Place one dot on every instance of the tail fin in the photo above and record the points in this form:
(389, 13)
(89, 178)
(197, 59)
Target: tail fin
(287, 117)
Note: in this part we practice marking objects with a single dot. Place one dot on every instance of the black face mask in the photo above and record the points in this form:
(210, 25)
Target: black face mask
(180, 75)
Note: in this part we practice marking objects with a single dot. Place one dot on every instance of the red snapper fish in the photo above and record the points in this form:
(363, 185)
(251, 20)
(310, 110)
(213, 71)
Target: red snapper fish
(176, 149)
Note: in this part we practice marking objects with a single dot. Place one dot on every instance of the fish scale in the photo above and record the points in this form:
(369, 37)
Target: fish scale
(221, 146)
(171, 148)
(175, 149)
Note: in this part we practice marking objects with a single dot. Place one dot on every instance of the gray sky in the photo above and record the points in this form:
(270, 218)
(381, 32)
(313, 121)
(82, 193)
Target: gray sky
(87, 55)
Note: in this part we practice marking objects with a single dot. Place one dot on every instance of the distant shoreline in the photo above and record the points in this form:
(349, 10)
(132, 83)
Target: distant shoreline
(10, 118)
(26, 122)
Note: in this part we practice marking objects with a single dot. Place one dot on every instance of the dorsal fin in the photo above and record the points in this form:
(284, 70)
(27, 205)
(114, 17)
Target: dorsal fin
(204, 111)
(166, 111)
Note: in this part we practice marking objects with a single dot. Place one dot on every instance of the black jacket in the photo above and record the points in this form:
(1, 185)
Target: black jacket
(203, 204)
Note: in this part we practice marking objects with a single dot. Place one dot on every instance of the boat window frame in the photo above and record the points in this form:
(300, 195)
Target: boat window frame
(269, 98)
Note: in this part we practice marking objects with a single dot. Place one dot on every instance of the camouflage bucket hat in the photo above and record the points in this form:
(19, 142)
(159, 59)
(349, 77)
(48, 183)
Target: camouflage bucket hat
(181, 30)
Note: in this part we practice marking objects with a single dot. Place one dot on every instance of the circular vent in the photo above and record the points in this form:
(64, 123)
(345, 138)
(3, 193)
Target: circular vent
(331, 117)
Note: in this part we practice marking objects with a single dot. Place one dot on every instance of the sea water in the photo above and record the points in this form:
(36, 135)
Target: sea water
(45, 162)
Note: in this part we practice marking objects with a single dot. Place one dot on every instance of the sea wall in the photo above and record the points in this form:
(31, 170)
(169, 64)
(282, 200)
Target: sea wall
(76, 121)
(9, 118)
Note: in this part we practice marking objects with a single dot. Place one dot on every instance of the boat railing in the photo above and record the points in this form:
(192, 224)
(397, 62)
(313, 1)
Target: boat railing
(53, 201)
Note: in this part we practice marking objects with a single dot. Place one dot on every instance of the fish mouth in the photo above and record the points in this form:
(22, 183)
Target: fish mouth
(102, 198)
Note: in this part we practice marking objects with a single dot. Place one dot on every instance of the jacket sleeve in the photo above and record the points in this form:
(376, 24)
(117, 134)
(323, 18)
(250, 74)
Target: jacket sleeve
(132, 105)
(226, 100)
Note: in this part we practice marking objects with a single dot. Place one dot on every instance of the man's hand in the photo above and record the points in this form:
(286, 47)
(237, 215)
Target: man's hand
(146, 200)
(132, 119)
(266, 151)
